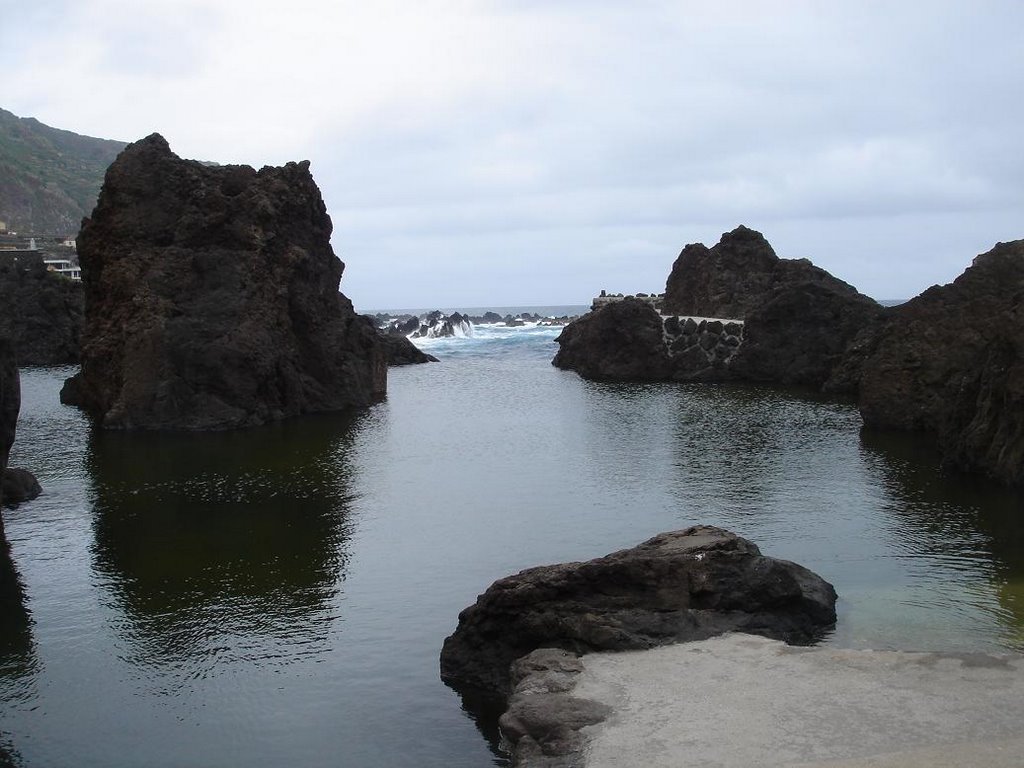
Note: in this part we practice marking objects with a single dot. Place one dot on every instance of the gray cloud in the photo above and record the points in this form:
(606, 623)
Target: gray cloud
(505, 152)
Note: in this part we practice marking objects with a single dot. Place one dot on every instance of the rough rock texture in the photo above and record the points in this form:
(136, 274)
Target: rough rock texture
(437, 325)
(18, 485)
(10, 404)
(797, 322)
(401, 351)
(737, 276)
(42, 312)
(801, 333)
(729, 279)
(621, 341)
(682, 585)
(543, 723)
(212, 299)
(951, 362)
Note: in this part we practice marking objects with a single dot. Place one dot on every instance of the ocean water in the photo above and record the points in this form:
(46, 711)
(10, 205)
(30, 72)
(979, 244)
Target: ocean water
(280, 595)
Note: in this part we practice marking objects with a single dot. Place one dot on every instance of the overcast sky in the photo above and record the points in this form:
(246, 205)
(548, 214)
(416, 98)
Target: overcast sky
(535, 152)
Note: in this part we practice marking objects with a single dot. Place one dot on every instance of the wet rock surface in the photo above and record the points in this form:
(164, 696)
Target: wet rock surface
(681, 585)
(212, 299)
(19, 485)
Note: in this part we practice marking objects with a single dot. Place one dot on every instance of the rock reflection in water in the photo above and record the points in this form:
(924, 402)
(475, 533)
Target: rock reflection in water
(967, 522)
(18, 662)
(223, 547)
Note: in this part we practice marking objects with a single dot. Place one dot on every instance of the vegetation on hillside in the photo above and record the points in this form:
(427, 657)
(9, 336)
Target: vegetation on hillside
(49, 178)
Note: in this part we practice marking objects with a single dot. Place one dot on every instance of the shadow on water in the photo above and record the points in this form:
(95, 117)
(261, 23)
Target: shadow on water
(18, 661)
(965, 519)
(223, 547)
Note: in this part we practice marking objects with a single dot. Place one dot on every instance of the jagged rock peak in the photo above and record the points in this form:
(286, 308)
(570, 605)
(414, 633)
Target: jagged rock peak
(212, 299)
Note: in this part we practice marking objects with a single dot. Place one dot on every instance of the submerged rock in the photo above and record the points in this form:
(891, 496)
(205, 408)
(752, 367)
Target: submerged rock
(212, 299)
(951, 362)
(683, 585)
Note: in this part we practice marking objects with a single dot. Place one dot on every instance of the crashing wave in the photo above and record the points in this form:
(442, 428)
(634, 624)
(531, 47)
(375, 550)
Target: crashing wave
(438, 325)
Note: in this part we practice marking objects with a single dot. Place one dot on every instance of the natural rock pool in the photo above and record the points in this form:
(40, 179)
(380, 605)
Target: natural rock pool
(280, 595)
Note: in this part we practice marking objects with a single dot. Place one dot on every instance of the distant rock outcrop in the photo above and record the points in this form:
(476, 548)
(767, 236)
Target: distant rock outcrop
(791, 322)
(42, 312)
(683, 585)
(438, 325)
(212, 299)
(951, 362)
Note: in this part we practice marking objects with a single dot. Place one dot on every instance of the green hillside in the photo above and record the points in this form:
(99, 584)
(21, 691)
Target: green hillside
(49, 178)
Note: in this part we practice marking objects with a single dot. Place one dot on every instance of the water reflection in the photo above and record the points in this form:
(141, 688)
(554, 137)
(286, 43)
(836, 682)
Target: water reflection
(223, 548)
(965, 523)
(18, 662)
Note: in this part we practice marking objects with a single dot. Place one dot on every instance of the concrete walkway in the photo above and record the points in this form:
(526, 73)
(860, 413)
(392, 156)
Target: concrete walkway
(743, 701)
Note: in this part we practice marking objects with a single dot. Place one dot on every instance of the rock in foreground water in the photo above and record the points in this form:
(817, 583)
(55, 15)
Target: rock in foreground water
(212, 299)
(683, 585)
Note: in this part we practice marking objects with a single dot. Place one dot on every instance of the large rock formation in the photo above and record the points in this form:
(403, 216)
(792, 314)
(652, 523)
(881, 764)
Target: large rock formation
(797, 321)
(951, 362)
(737, 276)
(42, 312)
(212, 299)
(683, 585)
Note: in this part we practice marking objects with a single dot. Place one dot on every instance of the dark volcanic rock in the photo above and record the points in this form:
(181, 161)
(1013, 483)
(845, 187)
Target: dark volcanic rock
(727, 280)
(951, 362)
(799, 321)
(42, 312)
(801, 333)
(212, 299)
(401, 351)
(683, 585)
(623, 340)
(10, 404)
(18, 485)
(738, 276)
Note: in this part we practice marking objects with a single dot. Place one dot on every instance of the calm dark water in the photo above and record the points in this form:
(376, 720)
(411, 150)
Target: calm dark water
(279, 596)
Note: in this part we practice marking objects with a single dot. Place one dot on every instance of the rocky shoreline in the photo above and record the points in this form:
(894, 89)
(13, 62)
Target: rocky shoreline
(519, 641)
(738, 700)
(949, 363)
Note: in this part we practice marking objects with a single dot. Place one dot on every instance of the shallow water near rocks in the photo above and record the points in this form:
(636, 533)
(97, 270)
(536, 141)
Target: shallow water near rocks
(280, 595)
